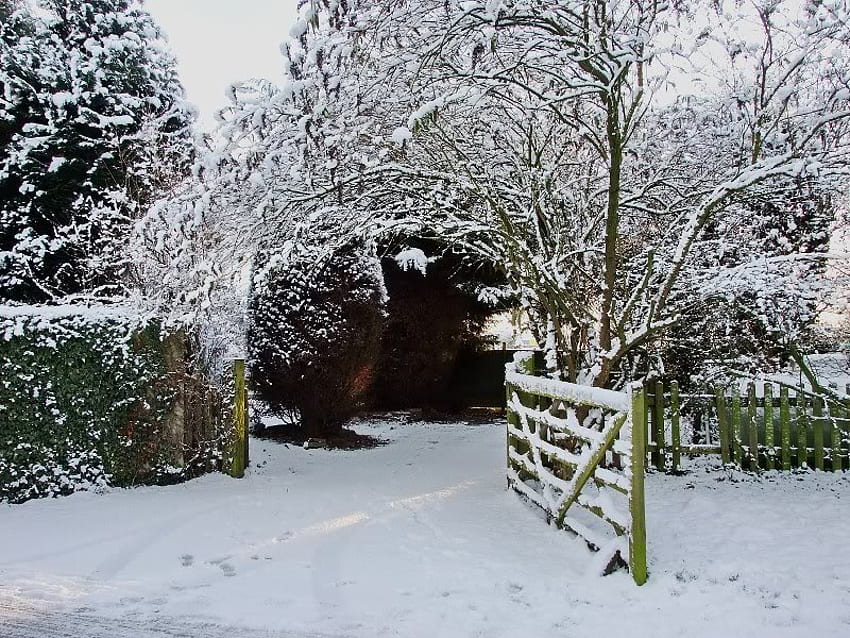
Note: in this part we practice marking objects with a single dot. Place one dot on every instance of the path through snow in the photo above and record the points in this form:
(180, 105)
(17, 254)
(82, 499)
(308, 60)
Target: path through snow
(418, 538)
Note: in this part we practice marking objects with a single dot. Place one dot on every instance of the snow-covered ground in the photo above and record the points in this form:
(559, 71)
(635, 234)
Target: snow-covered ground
(419, 538)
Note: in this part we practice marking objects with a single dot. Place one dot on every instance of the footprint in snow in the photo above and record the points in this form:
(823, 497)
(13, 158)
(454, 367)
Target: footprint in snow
(226, 568)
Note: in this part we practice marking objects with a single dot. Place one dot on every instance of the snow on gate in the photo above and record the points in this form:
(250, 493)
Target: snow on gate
(578, 453)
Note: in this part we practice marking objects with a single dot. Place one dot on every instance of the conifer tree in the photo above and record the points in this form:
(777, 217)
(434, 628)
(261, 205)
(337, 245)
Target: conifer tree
(93, 126)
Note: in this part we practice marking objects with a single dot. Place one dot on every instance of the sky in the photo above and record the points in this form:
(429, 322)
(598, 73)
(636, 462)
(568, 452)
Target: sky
(220, 41)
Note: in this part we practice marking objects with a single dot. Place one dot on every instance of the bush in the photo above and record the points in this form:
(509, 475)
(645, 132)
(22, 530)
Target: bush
(314, 335)
(86, 399)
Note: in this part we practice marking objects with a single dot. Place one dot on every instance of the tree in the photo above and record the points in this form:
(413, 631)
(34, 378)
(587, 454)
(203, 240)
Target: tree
(6, 9)
(93, 127)
(595, 220)
(539, 136)
(437, 307)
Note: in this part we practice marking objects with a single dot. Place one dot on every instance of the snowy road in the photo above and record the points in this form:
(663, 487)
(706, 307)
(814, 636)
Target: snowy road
(418, 538)
(78, 624)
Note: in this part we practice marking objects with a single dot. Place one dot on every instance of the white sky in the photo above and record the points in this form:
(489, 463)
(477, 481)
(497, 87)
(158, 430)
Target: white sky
(220, 41)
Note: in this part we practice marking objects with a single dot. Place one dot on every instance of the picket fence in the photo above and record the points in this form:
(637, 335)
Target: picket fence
(767, 426)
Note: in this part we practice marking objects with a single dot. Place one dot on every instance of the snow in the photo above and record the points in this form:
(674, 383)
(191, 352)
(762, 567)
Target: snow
(401, 135)
(585, 394)
(413, 259)
(420, 538)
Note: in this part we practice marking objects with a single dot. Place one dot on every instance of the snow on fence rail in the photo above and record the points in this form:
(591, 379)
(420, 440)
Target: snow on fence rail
(770, 426)
(578, 453)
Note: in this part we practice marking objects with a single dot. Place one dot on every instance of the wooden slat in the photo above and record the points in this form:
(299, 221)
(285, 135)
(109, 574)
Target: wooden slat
(817, 435)
(723, 423)
(620, 527)
(611, 479)
(658, 409)
(752, 427)
(802, 436)
(676, 434)
(770, 448)
(785, 427)
(835, 439)
(735, 428)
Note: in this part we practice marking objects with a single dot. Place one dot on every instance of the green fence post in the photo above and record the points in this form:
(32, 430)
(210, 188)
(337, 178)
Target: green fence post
(802, 427)
(770, 449)
(660, 444)
(785, 427)
(752, 426)
(723, 422)
(835, 414)
(238, 448)
(637, 505)
(817, 432)
(675, 428)
(735, 428)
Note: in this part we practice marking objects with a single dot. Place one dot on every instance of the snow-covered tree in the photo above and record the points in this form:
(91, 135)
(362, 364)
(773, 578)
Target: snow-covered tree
(93, 127)
(542, 151)
(544, 137)
(6, 9)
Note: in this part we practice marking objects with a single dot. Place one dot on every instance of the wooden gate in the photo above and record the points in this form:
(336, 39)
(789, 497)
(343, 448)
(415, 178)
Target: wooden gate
(578, 453)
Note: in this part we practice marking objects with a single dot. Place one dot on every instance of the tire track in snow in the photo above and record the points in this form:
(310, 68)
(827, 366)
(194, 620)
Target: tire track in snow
(25, 620)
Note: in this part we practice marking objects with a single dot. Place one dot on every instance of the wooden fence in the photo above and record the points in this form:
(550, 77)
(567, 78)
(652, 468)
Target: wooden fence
(765, 426)
(578, 453)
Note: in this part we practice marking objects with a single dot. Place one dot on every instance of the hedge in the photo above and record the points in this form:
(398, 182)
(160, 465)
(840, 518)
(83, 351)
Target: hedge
(85, 399)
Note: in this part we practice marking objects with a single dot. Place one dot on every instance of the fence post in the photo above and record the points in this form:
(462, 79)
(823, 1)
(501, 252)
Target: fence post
(637, 538)
(723, 422)
(802, 430)
(735, 429)
(785, 427)
(818, 425)
(239, 444)
(660, 443)
(752, 426)
(835, 413)
(770, 448)
(675, 429)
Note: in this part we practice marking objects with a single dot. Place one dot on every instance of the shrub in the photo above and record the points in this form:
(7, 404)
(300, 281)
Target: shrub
(314, 335)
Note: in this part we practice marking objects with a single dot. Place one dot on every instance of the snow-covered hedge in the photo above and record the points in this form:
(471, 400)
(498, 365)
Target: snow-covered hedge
(85, 399)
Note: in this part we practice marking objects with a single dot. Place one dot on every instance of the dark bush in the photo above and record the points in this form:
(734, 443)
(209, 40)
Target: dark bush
(314, 335)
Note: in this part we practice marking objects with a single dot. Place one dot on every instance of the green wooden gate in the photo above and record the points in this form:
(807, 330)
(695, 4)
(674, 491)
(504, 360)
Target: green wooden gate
(578, 453)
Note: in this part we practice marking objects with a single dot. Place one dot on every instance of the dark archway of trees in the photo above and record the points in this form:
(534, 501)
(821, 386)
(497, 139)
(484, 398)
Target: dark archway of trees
(432, 317)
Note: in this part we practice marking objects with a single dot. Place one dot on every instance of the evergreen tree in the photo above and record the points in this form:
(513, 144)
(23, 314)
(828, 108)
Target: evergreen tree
(92, 127)
(6, 9)
(314, 333)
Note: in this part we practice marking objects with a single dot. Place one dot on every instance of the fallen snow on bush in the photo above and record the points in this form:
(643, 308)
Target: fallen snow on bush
(420, 538)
